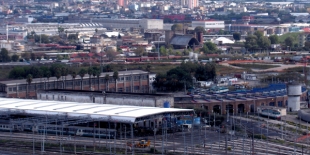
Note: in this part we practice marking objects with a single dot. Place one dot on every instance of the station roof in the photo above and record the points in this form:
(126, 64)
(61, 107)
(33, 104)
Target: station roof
(103, 112)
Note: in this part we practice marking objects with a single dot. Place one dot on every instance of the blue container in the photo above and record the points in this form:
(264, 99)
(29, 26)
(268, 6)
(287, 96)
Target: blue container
(166, 104)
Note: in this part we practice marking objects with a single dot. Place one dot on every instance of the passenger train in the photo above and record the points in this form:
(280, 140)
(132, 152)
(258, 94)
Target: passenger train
(270, 113)
(59, 130)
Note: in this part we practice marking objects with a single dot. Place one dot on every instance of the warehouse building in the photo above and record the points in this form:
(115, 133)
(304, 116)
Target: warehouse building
(114, 98)
(129, 81)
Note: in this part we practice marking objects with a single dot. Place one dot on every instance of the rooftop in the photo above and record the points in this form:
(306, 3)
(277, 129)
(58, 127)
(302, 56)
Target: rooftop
(104, 112)
(69, 77)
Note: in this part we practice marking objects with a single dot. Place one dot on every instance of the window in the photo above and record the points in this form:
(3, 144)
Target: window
(128, 89)
(119, 89)
(136, 78)
(136, 88)
(128, 78)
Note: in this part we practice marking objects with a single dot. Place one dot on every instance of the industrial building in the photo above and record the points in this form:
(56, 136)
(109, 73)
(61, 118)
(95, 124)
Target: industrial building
(113, 98)
(128, 81)
(209, 24)
(274, 95)
(71, 114)
(130, 23)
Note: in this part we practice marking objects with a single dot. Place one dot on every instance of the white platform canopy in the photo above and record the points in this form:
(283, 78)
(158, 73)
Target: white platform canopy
(104, 112)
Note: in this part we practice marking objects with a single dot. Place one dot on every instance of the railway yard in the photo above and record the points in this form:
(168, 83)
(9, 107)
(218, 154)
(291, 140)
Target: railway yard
(252, 136)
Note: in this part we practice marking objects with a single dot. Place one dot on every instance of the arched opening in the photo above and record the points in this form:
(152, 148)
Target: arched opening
(229, 108)
(193, 42)
(240, 108)
(272, 104)
(252, 108)
(280, 103)
(217, 109)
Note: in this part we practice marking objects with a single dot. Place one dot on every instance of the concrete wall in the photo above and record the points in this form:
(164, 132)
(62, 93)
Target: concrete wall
(148, 100)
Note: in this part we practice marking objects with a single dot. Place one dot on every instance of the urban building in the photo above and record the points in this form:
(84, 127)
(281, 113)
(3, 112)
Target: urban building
(130, 23)
(114, 98)
(129, 81)
(193, 3)
(304, 37)
(274, 95)
(209, 24)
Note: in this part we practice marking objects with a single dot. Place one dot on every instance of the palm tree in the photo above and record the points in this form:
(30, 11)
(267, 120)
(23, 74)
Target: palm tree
(48, 74)
(73, 74)
(90, 72)
(106, 79)
(28, 80)
(98, 73)
(58, 75)
(64, 73)
(115, 77)
(82, 73)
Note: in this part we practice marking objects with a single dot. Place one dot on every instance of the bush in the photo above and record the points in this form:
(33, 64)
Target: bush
(229, 148)
(259, 136)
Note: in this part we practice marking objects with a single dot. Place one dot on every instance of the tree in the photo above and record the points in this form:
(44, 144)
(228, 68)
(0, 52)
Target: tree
(73, 74)
(15, 58)
(26, 56)
(28, 80)
(90, 72)
(237, 36)
(163, 51)
(263, 42)
(211, 46)
(115, 77)
(106, 79)
(289, 41)
(200, 29)
(205, 49)
(4, 55)
(177, 27)
(274, 39)
(64, 73)
(58, 75)
(258, 34)
(251, 42)
(139, 51)
(82, 73)
(148, 68)
(17, 73)
(48, 74)
(60, 30)
(111, 55)
(97, 73)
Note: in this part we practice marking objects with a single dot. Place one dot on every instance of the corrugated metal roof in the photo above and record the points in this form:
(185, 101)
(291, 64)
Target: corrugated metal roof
(118, 113)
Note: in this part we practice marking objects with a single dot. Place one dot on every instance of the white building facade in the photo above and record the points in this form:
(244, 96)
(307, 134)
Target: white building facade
(209, 24)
